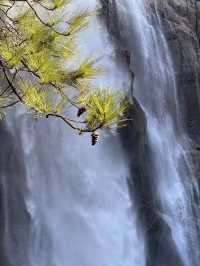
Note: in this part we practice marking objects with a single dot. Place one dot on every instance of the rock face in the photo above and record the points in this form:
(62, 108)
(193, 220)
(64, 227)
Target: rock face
(161, 249)
(181, 23)
(14, 218)
(180, 20)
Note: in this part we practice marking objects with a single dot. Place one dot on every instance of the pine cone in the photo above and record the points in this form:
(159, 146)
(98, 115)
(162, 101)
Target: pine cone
(81, 111)
(95, 138)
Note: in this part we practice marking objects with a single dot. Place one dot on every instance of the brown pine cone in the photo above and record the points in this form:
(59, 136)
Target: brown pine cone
(81, 111)
(95, 138)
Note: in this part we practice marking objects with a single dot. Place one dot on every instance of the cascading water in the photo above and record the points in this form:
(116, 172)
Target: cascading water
(70, 201)
(155, 89)
(76, 197)
(79, 205)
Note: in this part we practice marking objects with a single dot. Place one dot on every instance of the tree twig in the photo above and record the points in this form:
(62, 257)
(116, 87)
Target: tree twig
(9, 105)
(10, 83)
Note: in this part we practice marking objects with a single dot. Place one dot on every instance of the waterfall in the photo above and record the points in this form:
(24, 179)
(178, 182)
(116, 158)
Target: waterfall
(155, 89)
(75, 197)
(64, 202)
(78, 203)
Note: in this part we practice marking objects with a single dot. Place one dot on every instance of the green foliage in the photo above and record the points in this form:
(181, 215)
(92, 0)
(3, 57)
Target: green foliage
(35, 59)
(80, 22)
(60, 3)
(37, 99)
(85, 72)
(105, 108)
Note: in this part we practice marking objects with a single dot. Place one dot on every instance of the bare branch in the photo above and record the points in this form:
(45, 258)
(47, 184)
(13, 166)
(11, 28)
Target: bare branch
(68, 122)
(10, 83)
(9, 105)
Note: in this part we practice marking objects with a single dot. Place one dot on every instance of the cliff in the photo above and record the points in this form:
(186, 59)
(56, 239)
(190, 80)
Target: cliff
(180, 22)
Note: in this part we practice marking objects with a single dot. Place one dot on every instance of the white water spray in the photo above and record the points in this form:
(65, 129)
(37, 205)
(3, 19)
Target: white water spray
(78, 198)
(155, 89)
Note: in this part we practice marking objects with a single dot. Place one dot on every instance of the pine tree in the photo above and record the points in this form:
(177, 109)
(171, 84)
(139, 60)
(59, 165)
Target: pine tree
(37, 46)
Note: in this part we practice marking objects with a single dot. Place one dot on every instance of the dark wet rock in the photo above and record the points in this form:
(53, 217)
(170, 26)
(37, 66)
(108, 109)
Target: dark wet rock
(181, 24)
(14, 218)
(161, 248)
(180, 20)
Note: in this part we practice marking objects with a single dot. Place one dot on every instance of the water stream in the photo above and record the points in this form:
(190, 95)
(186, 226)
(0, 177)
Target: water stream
(75, 197)
(155, 89)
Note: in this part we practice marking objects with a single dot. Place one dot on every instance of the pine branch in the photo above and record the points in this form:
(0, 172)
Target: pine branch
(68, 122)
(45, 23)
(10, 83)
(9, 105)
(37, 51)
